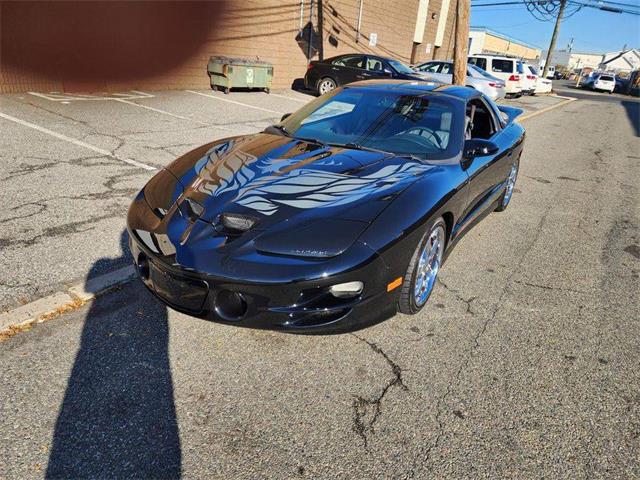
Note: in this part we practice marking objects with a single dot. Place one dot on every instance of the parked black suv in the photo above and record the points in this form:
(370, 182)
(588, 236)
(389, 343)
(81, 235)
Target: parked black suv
(323, 76)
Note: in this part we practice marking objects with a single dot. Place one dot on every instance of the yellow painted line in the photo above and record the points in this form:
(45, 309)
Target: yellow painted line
(544, 110)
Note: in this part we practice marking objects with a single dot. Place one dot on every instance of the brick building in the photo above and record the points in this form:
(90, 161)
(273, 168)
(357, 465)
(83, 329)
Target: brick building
(111, 46)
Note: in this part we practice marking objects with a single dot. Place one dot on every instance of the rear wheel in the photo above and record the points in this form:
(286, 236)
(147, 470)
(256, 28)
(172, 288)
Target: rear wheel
(325, 85)
(423, 269)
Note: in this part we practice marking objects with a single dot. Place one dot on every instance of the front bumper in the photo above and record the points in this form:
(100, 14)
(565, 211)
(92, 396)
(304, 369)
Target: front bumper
(262, 296)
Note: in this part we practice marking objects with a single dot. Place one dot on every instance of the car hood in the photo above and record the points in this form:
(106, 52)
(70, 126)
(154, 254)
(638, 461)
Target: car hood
(275, 179)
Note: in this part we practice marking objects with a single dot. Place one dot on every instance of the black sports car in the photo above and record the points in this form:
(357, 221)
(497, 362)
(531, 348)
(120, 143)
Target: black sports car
(326, 75)
(333, 219)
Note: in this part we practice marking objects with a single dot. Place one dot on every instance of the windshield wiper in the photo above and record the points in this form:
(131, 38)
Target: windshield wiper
(280, 128)
(357, 146)
(412, 156)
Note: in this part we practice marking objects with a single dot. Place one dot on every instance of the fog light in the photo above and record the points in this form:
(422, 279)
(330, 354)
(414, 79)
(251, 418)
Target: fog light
(230, 305)
(346, 290)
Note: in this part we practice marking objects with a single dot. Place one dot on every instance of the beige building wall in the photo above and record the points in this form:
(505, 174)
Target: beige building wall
(113, 46)
(493, 44)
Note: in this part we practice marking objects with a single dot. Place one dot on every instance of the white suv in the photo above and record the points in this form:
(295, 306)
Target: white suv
(504, 68)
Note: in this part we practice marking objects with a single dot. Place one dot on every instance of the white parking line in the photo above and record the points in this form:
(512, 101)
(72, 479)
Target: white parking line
(157, 110)
(72, 97)
(234, 102)
(77, 142)
(175, 115)
(291, 98)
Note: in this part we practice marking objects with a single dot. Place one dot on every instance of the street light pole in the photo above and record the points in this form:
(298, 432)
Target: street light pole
(552, 45)
(461, 46)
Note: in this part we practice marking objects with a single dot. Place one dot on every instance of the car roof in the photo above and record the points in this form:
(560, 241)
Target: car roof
(499, 57)
(417, 87)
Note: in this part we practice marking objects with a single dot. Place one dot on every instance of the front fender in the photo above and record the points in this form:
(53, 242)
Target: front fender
(398, 229)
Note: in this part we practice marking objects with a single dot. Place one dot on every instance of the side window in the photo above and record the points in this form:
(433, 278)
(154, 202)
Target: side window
(447, 68)
(502, 66)
(431, 67)
(353, 62)
(479, 62)
(480, 122)
(374, 65)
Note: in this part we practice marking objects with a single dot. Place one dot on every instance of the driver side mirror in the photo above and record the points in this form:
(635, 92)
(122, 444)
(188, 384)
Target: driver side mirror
(477, 147)
(286, 115)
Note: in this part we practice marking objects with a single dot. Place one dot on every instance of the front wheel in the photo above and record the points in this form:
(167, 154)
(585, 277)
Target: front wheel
(423, 269)
(508, 190)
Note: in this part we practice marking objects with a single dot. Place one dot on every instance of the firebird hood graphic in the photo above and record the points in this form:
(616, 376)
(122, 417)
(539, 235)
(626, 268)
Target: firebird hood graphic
(309, 188)
(296, 174)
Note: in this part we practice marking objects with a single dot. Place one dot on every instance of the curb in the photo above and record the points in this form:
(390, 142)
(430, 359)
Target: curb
(47, 308)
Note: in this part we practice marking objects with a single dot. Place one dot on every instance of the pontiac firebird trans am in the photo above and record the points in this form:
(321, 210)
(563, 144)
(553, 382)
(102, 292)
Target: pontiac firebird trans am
(333, 219)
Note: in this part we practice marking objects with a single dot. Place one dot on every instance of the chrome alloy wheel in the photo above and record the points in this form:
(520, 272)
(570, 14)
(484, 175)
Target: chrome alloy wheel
(511, 181)
(428, 265)
(326, 85)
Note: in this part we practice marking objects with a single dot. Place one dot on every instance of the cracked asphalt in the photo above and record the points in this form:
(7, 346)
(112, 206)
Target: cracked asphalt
(524, 364)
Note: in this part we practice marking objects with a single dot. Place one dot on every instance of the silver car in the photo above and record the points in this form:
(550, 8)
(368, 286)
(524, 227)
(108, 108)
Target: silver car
(442, 70)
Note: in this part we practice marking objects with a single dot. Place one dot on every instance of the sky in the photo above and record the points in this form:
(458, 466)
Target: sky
(593, 31)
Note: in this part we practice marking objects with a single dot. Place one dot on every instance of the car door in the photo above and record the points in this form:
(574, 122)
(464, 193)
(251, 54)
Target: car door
(376, 68)
(349, 69)
(487, 174)
(445, 73)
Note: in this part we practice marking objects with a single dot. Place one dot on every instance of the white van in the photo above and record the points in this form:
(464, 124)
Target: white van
(505, 68)
(551, 73)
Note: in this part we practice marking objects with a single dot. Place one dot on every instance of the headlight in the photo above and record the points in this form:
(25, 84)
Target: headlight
(236, 223)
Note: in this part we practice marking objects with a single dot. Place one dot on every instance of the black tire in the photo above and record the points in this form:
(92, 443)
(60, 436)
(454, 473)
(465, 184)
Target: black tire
(406, 302)
(227, 90)
(214, 88)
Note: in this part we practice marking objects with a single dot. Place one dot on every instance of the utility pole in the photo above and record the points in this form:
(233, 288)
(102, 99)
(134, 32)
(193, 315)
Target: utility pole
(461, 46)
(552, 45)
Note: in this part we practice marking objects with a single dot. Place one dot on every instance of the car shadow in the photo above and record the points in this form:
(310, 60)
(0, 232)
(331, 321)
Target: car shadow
(633, 113)
(298, 86)
(118, 417)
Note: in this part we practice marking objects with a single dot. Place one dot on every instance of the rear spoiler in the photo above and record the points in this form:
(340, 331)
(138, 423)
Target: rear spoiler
(509, 114)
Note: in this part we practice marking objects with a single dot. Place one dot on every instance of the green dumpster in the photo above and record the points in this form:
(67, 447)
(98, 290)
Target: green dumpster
(226, 73)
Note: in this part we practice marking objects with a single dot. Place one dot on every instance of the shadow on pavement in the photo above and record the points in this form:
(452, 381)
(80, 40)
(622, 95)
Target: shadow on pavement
(118, 415)
(298, 86)
(633, 112)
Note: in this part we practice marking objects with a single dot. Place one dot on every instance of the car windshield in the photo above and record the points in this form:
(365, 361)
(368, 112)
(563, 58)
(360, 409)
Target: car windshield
(606, 78)
(400, 67)
(533, 70)
(424, 125)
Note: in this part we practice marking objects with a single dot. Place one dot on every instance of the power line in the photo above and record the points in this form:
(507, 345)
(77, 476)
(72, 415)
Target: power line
(576, 3)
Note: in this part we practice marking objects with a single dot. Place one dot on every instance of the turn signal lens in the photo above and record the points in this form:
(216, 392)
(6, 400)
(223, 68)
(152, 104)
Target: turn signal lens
(346, 290)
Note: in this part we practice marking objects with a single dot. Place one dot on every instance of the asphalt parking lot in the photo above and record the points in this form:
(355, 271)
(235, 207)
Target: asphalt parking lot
(523, 365)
